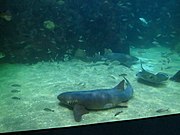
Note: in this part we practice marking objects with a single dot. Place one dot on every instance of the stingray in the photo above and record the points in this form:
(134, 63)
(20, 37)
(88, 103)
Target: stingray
(146, 76)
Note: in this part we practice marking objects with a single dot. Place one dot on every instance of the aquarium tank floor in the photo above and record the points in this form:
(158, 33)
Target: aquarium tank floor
(28, 99)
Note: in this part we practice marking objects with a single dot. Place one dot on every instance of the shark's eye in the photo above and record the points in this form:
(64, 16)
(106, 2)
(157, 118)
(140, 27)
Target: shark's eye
(151, 77)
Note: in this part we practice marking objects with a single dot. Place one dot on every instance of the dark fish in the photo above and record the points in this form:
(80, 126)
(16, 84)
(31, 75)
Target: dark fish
(150, 77)
(162, 110)
(16, 98)
(16, 85)
(15, 91)
(123, 74)
(118, 113)
(48, 110)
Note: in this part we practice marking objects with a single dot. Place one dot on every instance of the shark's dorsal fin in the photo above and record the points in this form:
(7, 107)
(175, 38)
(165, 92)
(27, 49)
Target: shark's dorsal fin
(120, 86)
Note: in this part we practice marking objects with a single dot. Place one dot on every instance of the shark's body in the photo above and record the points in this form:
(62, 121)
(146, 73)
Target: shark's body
(82, 101)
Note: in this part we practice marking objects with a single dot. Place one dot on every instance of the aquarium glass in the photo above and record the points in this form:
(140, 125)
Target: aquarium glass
(67, 63)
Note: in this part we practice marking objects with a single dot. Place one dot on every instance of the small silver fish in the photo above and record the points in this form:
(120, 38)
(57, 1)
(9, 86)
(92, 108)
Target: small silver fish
(144, 22)
(81, 39)
(158, 35)
(140, 37)
(155, 43)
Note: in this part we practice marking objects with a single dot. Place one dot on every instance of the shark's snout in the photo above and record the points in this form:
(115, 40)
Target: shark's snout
(66, 98)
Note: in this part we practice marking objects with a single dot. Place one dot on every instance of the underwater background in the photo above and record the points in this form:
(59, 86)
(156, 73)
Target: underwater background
(48, 47)
(54, 29)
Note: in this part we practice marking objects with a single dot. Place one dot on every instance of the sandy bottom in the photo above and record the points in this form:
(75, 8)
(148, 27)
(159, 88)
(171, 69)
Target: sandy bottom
(26, 90)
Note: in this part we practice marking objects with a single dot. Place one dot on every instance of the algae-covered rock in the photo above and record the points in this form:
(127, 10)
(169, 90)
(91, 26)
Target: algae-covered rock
(50, 25)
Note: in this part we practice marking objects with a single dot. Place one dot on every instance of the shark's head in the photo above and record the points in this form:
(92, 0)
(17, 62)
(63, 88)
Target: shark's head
(66, 98)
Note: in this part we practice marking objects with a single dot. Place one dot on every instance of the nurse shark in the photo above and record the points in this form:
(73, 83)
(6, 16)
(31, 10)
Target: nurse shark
(81, 102)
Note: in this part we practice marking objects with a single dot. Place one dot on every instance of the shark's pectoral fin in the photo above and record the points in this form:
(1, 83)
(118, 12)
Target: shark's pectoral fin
(78, 111)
